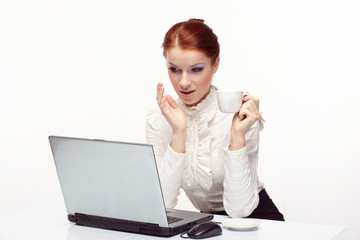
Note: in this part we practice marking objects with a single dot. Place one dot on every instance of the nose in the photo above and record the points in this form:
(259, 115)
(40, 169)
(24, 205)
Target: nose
(185, 81)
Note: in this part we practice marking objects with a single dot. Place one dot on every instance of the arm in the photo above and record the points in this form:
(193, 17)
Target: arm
(175, 116)
(170, 157)
(240, 180)
(170, 164)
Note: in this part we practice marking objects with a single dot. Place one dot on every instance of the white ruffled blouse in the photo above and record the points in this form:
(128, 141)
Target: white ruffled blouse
(213, 178)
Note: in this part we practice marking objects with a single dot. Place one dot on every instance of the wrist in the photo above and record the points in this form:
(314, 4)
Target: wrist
(178, 141)
(237, 141)
(180, 134)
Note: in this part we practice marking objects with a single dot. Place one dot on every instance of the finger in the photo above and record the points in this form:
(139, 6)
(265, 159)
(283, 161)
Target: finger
(167, 103)
(171, 101)
(167, 106)
(162, 103)
(248, 104)
(238, 117)
(250, 108)
(243, 105)
(248, 114)
(245, 97)
(250, 97)
(160, 92)
(251, 113)
(242, 114)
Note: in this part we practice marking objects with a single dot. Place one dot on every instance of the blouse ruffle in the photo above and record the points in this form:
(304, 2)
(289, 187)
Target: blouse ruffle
(198, 169)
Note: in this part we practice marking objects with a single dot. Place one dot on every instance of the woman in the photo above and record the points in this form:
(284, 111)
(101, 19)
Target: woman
(211, 155)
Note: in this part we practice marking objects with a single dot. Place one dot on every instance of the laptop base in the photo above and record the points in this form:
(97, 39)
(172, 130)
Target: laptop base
(131, 226)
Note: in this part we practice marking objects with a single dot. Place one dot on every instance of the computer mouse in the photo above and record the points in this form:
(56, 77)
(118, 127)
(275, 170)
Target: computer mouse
(204, 230)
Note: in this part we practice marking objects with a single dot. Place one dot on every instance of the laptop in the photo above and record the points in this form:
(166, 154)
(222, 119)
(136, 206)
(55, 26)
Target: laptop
(115, 185)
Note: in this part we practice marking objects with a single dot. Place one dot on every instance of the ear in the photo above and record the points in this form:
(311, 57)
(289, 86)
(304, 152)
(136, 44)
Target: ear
(216, 64)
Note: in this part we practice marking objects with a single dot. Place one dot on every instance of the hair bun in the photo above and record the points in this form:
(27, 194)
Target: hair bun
(192, 34)
(196, 20)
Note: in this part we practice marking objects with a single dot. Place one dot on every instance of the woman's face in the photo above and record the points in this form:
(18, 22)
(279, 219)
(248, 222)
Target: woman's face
(190, 72)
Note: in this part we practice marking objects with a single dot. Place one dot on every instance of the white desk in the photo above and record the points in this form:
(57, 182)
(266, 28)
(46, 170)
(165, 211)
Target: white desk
(50, 222)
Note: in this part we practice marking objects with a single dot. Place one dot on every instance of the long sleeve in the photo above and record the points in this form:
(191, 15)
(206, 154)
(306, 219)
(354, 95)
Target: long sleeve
(170, 164)
(213, 178)
(240, 177)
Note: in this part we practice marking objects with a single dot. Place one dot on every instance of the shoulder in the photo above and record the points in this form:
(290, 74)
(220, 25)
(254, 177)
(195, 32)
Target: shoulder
(157, 127)
(156, 121)
(154, 118)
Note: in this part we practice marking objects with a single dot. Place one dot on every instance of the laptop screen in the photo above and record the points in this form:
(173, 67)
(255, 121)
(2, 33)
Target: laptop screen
(109, 179)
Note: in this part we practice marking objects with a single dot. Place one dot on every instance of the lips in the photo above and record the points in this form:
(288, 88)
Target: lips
(187, 93)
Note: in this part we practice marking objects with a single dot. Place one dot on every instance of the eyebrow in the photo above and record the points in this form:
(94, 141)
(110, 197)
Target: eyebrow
(190, 66)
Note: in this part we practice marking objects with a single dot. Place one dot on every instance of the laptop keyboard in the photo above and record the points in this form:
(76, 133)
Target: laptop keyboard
(173, 219)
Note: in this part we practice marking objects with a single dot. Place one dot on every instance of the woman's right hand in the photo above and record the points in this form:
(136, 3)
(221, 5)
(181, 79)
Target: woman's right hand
(175, 117)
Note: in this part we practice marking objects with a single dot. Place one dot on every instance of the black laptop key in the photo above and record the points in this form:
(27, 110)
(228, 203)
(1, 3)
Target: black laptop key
(173, 219)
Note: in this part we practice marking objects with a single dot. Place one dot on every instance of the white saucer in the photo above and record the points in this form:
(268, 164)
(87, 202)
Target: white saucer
(241, 224)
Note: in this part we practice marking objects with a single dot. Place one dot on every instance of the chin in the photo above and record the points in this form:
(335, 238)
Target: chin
(190, 103)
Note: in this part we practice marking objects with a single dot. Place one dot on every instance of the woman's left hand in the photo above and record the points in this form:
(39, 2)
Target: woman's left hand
(243, 120)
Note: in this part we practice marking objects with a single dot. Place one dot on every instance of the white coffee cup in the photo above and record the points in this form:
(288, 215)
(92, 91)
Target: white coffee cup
(229, 101)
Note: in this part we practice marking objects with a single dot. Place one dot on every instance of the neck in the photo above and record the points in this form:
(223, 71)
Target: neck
(202, 99)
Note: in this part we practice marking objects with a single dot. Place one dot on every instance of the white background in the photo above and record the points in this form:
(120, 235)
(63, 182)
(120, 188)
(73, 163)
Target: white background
(90, 68)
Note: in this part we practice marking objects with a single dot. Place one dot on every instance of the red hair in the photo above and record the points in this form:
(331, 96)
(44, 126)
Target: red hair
(193, 35)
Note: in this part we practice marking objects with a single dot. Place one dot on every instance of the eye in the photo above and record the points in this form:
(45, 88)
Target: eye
(197, 69)
(174, 69)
